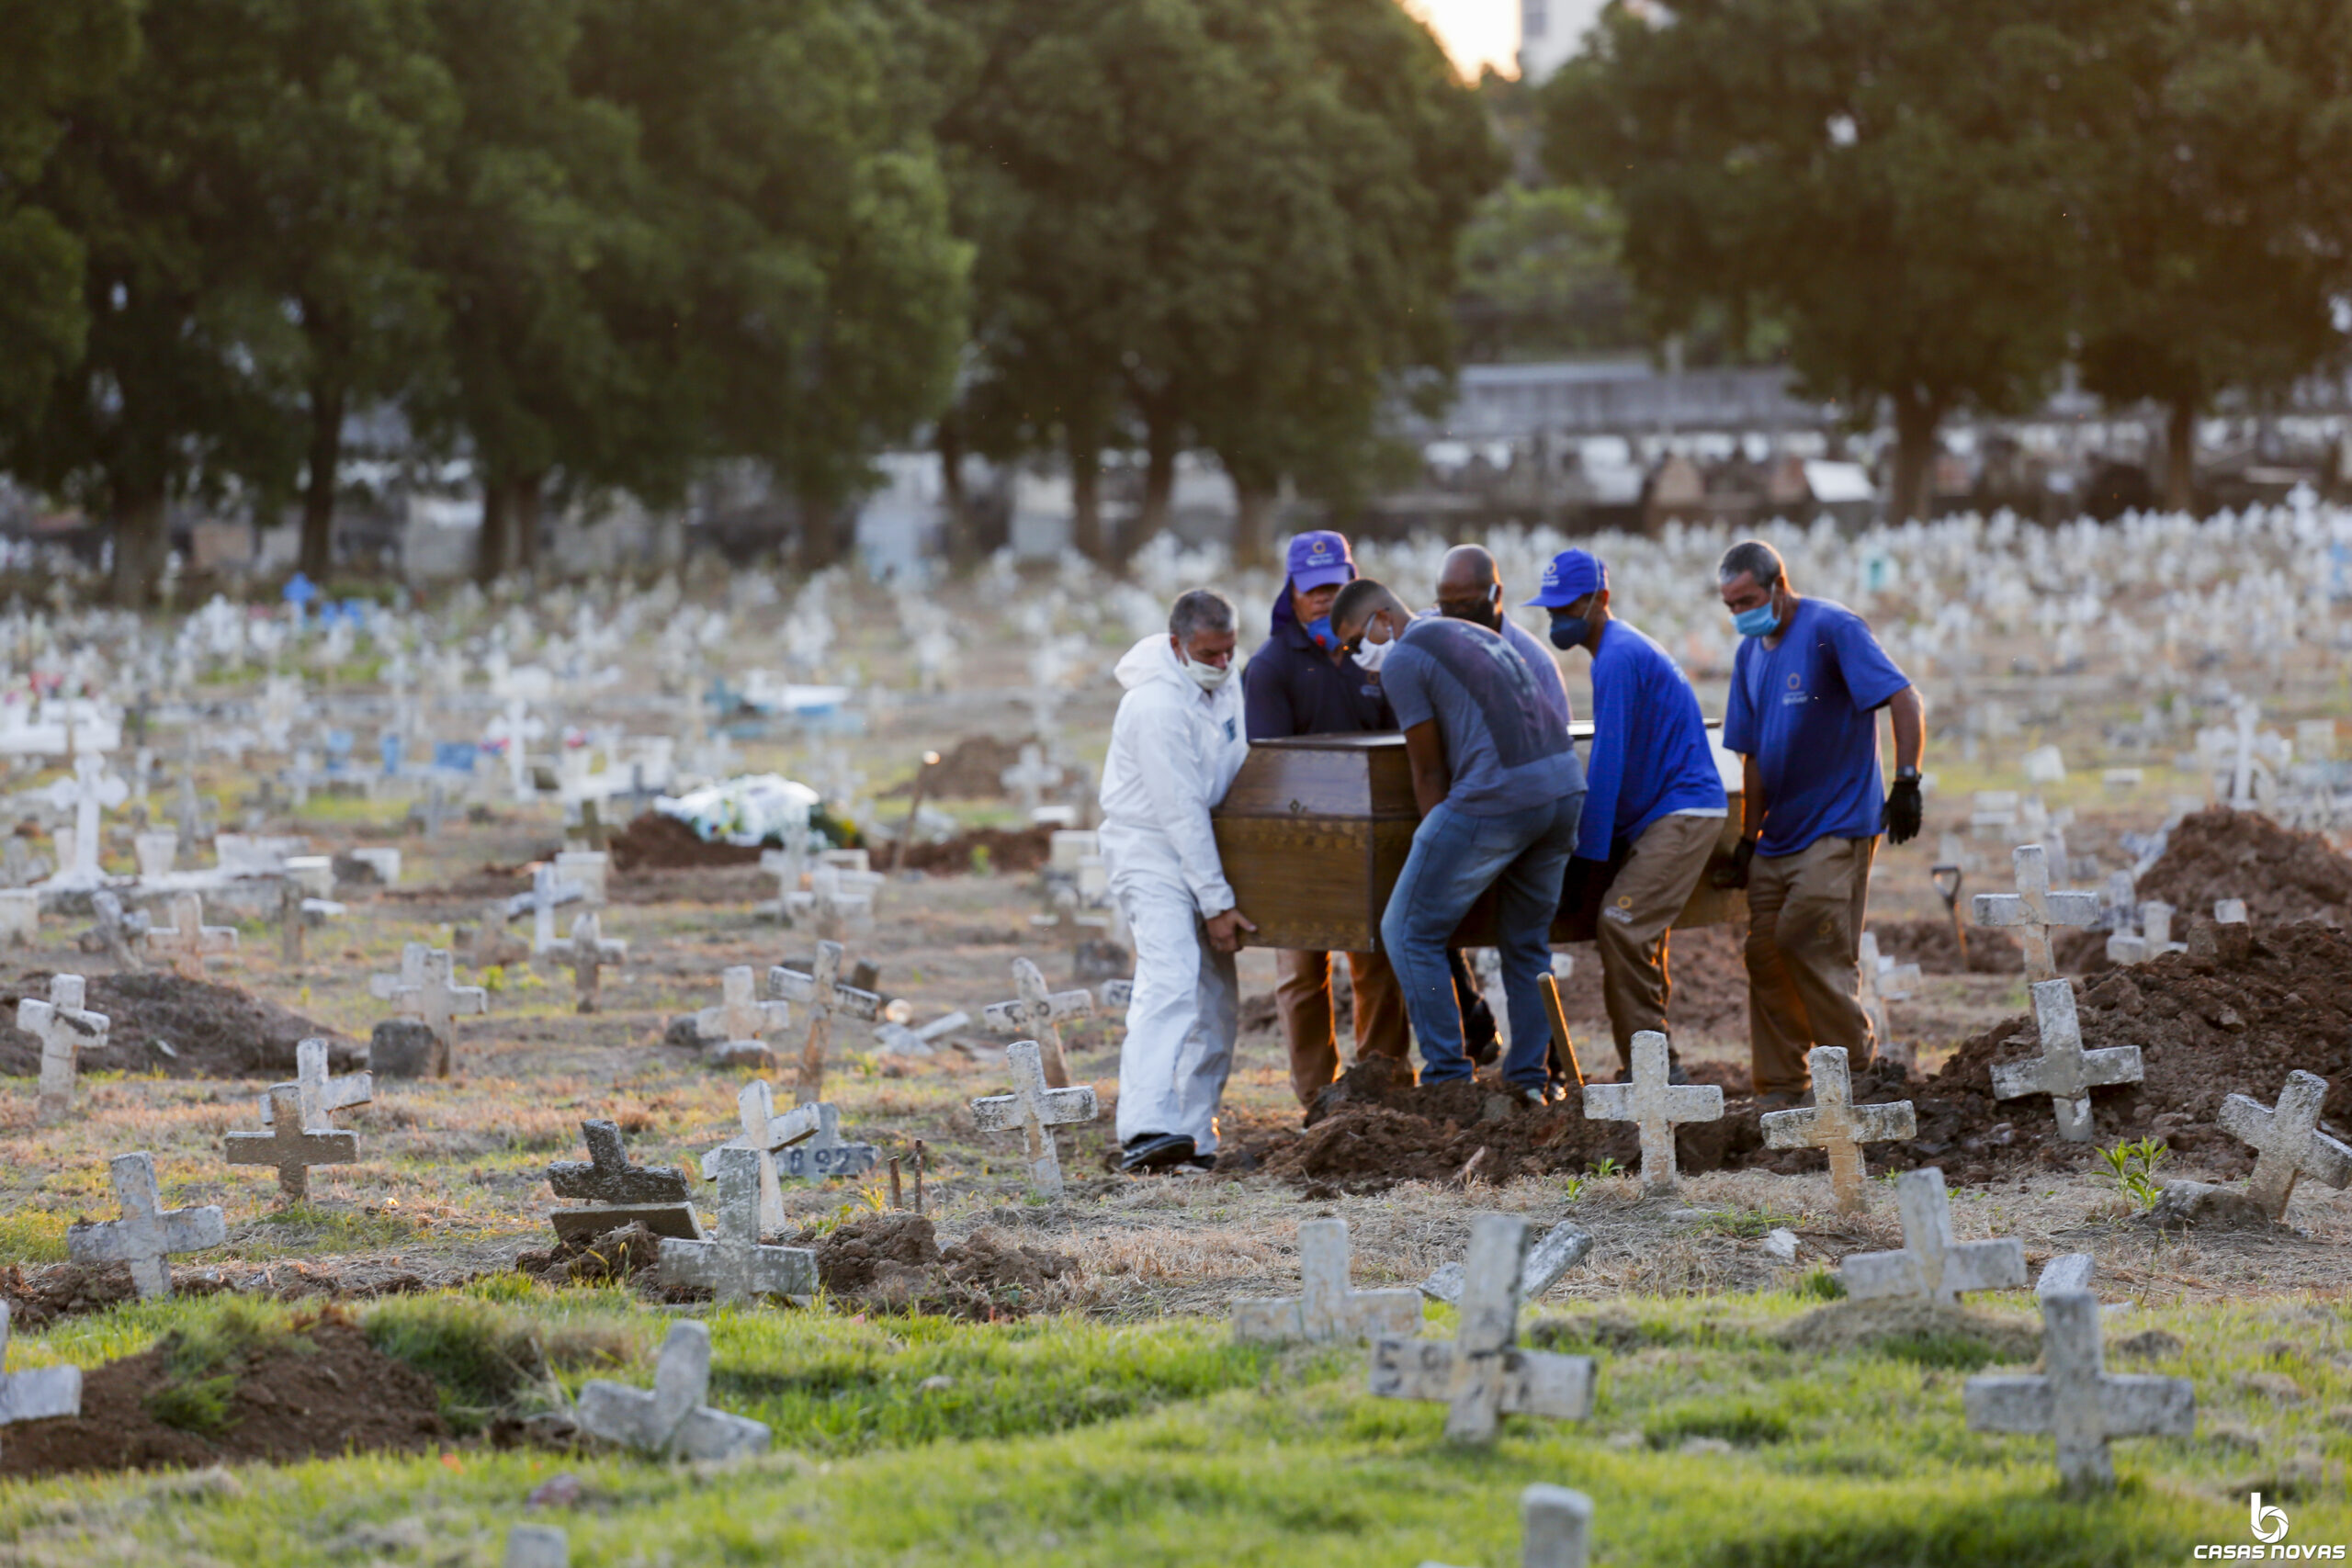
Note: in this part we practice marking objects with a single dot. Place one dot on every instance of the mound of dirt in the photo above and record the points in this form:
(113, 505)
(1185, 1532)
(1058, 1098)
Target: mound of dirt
(582, 1260)
(973, 769)
(2283, 874)
(319, 1392)
(893, 1262)
(211, 1031)
(655, 843)
(1009, 850)
(45, 1294)
(1844, 1326)
(1930, 945)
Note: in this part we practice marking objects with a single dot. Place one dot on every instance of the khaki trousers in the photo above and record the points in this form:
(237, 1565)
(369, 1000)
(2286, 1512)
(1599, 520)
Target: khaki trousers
(1805, 925)
(1302, 997)
(1649, 891)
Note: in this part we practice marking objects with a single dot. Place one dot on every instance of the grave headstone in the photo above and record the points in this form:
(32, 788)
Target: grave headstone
(2033, 908)
(20, 915)
(1834, 1124)
(2077, 1401)
(1563, 1246)
(1034, 1108)
(1036, 1013)
(1327, 1307)
(1655, 1105)
(587, 954)
(764, 1133)
(154, 853)
(1931, 1266)
(736, 1027)
(2065, 1071)
(821, 992)
(113, 930)
(63, 1026)
(537, 1546)
(187, 941)
(735, 1266)
(2154, 940)
(1482, 1375)
(587, 870)
(826, 1154)
(291, 1146)
(148, 1234)
(89, 791)
(320, 1093)
(618, 1193)
(406, 1048)
(424, 990)
(2069, 1271)
(670, 1419)
(1556, 1529)
(2286, 1141)
(1883, 980)
(36, 1393)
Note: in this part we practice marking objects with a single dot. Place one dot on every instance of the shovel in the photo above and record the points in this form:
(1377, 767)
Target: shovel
(1947, 879)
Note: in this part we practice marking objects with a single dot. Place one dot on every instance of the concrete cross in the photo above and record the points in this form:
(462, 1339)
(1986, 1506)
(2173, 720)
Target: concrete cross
(589, 870)
(826, 1154)
(148, 1234)
(1035, 1109)
(787, 865)
(1036, 1013)
(1654, 1105)
(2076, 1400)
(62, 1026)
(424, 990)
(841, 900)
(822, 991)
(1556, 1529)
(38, 1394)
(1882, 981)
(1031, 777)
(670, 1419)
(2065, 1071)
(1834, 1122)
(2033, 908)
(2155, 939)
(154, 852)
(91, 790)
(587, 954)
(1482, 1375)
(320, 1096)
(1117, 995)
(291, 1146)
(1931, 1264)
(115, 929)
(735, 1267)
(764, 1133)
(2069, 1271)
(898, 1038)
(187, 939)
(618, 1193)
(291, 915)
(2286, 1141)
(1327, 1308)
(1562, 1248)
(547, 891)
(537, 1546)
(737, 1027)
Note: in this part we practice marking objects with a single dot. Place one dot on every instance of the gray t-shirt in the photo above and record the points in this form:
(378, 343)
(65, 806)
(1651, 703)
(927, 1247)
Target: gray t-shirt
(1506, 732)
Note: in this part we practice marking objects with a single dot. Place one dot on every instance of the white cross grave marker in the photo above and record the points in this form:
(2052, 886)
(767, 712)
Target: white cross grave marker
(547, 893)
(1035, 1109)
(1835, 1124)
(1482, 1375)
(587, 954)
(424, 990)
(2076, 1400)
(671, 1417)
(1563, 1246)
(1032, 777)
(764, 1132)
(1556, 1529)
(735, 1266)
(736, 1028)
(1327, 1308)
(1654, 1106)
(62, 1026)
(2155, 939)
(823, 993)
(1931, 1264)
(537, 1546)
(148, 1232)
(37, 1393)
(2033, 908)
(2068, 1271)
(618, 1193)
(827, 1154)
(2065, 1071)
(2287, 1142)
(291, 1146)
(187, 939)
(1883, 981)
(89, 790)
(1036, 1013)
(321, 1095)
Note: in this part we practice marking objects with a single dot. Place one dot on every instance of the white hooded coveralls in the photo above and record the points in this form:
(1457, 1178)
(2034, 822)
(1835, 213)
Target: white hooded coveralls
(1174, 750)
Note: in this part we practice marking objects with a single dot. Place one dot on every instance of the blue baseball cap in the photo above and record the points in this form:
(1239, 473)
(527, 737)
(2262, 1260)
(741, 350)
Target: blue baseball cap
(1320, 559)
(1571, 576)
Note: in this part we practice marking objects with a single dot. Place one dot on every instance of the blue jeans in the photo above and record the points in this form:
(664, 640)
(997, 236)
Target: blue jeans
(1524, 856)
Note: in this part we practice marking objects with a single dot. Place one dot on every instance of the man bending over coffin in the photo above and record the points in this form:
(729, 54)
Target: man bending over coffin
(1175, 746)
(1499, 788)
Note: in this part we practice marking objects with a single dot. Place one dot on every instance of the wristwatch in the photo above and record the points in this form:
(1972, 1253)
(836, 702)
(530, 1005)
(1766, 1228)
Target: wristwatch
(1906, 772)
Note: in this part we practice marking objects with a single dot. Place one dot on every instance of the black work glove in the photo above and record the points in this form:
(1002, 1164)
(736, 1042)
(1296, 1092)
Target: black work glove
(1902, 811)
(1735, 874)
(1587, 885)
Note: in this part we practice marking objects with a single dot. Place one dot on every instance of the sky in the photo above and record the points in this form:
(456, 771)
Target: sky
(1479, 32)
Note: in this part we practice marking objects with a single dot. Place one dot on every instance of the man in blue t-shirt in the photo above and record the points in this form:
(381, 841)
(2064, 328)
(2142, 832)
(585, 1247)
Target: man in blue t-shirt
(1654, 801)
(1806, 691)
(1498, 787)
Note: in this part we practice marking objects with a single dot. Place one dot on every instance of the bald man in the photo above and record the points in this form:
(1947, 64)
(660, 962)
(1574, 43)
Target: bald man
(1470, 587)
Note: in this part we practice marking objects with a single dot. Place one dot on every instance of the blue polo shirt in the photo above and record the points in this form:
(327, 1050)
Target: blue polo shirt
(1506, 733)
(1650, 756)
(1807, 711)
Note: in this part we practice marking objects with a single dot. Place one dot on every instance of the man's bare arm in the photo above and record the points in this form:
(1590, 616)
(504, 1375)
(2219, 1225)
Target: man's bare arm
(1425, 749)
(1908, 713)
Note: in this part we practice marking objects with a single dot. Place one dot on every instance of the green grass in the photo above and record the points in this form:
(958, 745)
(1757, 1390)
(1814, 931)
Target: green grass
(1160, 1446)
(32, 1235)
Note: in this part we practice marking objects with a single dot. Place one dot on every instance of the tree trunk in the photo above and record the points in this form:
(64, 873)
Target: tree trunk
(1253, 510)
(819, 534)
(1160, 445)
(2180, 456)
(1916, 417)
(1086, 494)
(525, 512)
(142, 540)
(490, 555)
(317, 558)
(958, 546)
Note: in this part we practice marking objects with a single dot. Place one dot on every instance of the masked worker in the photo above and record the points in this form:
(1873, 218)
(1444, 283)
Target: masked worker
(1498, 787)
(1654, 803)
(1298, 682)
(1175, 746)
(1806, 686)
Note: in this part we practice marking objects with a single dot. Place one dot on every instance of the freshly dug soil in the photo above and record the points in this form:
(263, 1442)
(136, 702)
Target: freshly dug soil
(214, 1031)
(893, 1262)
(1010, 850)
(44, 1293)
(318, 1393)
(655, 843)
(1930, 945)
(582, 1260)
(972, 770)
(2282, 873)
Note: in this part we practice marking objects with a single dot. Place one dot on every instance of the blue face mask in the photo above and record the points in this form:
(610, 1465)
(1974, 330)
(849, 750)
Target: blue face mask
(1758, 622)
(1318, 631)
(1569, 631)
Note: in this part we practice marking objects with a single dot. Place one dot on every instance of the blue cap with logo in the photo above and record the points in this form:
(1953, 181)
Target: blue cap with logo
(1320, 559)
(1571, 576)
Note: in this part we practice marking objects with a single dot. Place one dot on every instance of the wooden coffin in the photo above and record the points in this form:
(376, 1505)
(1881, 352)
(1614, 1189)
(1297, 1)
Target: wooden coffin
(1316, 829)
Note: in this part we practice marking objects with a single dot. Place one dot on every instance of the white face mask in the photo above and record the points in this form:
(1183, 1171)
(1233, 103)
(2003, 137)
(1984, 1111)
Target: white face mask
(1208, 677)
(1370, 655)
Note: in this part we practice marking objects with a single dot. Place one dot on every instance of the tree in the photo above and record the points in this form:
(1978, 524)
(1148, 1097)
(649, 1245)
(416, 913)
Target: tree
(1540, 276)
(1909, 223)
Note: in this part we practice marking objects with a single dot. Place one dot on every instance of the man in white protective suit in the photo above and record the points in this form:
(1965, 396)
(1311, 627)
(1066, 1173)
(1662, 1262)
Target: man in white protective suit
(1175, 746)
